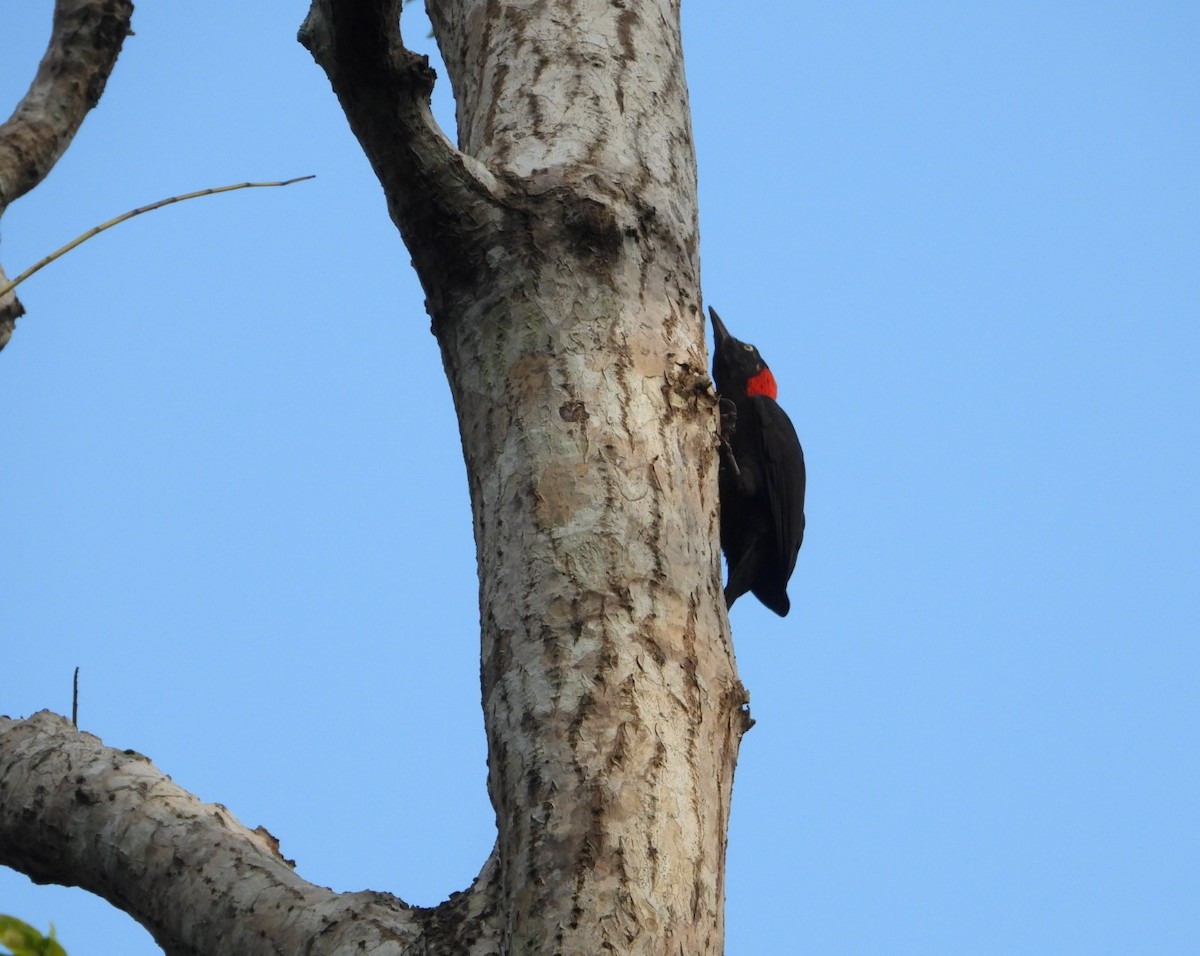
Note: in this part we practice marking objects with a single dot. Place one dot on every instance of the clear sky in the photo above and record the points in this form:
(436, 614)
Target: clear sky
(966, 236)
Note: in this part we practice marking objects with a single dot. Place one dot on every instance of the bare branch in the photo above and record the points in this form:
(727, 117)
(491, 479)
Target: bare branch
(446, 204)
(84, 44)
(7, 287)
(78, 813)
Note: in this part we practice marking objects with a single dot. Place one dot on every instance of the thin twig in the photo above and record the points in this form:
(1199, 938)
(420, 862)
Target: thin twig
(96, 230)
(75, 701)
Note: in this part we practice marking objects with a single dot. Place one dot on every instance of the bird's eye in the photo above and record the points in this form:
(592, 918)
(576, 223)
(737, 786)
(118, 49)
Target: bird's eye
(748, 348)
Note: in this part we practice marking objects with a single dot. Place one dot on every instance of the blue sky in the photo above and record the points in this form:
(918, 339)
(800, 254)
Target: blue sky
(966, 237)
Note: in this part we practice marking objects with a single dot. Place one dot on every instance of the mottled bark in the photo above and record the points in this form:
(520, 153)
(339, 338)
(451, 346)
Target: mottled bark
(564, 288)
(84, 43)
(76, 812)
(557, 246)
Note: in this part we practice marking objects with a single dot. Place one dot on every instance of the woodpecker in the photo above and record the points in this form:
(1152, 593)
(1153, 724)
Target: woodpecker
(761, 475)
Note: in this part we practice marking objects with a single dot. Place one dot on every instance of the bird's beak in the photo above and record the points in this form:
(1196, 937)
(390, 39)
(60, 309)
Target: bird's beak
(720, 333)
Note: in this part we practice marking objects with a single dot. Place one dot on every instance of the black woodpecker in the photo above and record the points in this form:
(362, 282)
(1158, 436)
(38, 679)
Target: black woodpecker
(761, 475)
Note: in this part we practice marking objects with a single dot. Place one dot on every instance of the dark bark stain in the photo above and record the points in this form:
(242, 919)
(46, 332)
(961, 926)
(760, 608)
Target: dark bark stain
(489, 118)
(626, 21)
(656, 516)
(535, 114)
(573, 412)
(695, 701)
(593, 232)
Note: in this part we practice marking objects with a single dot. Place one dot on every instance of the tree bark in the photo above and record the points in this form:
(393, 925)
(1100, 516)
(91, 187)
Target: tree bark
(573, 342)
(85, 41)
(76, 812)
(557, 247)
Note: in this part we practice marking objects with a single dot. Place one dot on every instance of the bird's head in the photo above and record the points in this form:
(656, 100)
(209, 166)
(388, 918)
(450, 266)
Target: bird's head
(738, 369)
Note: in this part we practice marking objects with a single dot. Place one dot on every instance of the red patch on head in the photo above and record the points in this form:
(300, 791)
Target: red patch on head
(762, 383)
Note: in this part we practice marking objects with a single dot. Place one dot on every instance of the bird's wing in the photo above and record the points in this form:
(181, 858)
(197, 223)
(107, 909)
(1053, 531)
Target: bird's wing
(783, 468)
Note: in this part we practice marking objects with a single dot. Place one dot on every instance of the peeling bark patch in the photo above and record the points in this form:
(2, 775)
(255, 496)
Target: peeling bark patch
(558, 497)
(529, 376)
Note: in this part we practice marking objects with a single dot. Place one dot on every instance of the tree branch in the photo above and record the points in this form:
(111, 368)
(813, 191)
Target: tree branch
(446, 204)
(7, 287)
(84, 44)
(77, 813)
(86, 38)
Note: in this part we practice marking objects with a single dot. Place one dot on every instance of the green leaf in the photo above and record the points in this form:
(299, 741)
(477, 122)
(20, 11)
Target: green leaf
(21, 939)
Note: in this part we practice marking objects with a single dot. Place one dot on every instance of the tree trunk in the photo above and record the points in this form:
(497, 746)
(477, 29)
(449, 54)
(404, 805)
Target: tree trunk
(558, 252)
